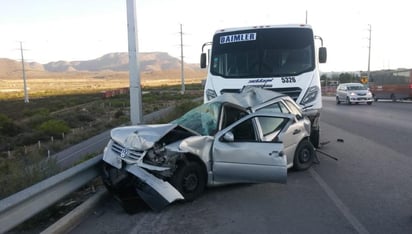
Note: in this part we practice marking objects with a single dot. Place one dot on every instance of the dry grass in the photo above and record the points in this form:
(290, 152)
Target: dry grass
(53, 83)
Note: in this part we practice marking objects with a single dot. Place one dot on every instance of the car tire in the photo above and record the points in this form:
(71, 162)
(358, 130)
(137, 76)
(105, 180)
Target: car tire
(190, 180)
(304, 156)
(337, 101)
(393, 97)
(348, 101)
(374, 98)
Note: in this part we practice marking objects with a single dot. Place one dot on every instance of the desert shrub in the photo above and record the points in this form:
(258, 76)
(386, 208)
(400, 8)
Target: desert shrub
(5, 143)
(118, 114)
(38, 111)
(37, 119)
(119, 103)
(85, 117)
(54, 127)
(16, 174)
(77, 119)
(8, 127)
(29, 138)
(179, 110)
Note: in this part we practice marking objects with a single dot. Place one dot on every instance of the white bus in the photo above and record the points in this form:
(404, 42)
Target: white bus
(281, 58)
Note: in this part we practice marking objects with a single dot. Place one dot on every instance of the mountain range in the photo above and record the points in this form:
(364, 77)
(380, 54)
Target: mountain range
(149, 62)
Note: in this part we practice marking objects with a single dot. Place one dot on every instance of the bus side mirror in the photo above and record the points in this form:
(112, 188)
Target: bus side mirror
(203, 60)
(322, 55)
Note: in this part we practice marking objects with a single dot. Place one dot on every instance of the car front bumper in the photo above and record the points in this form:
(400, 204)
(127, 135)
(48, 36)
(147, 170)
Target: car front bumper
(360, 99)
(156, 192)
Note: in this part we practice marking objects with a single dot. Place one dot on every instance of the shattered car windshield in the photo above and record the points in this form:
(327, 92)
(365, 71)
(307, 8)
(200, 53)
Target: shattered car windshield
(202, 119)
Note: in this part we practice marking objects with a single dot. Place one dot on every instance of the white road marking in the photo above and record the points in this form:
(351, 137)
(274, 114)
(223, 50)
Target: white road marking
(339, 204)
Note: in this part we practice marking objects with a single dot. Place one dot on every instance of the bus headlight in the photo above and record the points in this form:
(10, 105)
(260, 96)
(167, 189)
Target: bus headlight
(310, 95)
(210, 94)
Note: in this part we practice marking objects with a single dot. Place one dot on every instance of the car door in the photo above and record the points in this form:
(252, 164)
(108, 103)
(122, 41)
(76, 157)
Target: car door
(342, 93)
(241, 152)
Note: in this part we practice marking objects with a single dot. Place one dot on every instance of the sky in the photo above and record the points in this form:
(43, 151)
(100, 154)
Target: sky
(53, 30)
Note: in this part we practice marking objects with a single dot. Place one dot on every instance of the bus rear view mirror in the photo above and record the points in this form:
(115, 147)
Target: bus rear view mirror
(203, 60)
(322, 55)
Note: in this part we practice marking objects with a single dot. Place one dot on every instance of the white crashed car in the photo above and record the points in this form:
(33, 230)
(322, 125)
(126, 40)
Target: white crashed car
(248, 137)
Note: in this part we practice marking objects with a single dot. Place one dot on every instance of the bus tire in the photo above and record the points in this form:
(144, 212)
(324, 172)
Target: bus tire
(315, 138)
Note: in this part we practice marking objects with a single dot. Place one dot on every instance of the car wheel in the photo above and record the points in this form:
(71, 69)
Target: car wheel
(348, 101)
(304, 156)
(369, 103)
(190, 180)
(337, 100)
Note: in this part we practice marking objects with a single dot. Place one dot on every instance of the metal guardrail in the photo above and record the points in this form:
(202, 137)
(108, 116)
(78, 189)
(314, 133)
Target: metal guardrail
(23, 205)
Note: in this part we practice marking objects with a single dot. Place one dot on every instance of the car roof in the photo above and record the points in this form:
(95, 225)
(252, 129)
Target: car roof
(249, 97)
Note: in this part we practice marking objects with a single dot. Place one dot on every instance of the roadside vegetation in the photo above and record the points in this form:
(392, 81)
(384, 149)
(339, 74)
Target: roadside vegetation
(31, 132)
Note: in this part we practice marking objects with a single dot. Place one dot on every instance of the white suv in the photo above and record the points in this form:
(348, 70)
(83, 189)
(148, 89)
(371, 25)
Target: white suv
(353, 93)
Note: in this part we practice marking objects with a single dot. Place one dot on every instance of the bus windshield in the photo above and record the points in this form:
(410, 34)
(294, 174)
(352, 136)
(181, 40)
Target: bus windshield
(267, 52)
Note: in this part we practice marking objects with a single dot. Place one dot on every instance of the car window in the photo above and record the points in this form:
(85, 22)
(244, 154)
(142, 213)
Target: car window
(295, 110)
(202, 119)
(271, 126)
(230, 115)
(277, 107)
(245, 131)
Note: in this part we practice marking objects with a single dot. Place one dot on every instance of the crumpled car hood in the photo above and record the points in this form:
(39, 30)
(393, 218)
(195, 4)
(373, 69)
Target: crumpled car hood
(141, 137)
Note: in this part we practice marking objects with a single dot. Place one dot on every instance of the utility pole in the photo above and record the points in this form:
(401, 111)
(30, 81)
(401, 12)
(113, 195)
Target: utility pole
(136, 116)
(182, 71)
(369, 56)
(26, 95)
(306, 19)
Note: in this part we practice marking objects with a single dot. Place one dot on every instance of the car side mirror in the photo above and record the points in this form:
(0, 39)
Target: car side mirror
(229, 137)
(322, 55)
(203, 60)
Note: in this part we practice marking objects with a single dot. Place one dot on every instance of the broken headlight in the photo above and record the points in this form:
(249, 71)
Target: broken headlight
(157, 155)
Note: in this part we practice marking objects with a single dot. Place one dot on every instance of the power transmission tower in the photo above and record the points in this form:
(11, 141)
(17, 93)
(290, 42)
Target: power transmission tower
(182, 71)
(26, 95)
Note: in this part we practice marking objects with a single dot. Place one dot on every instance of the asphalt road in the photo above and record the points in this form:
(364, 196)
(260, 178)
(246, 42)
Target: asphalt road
(368, 189)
